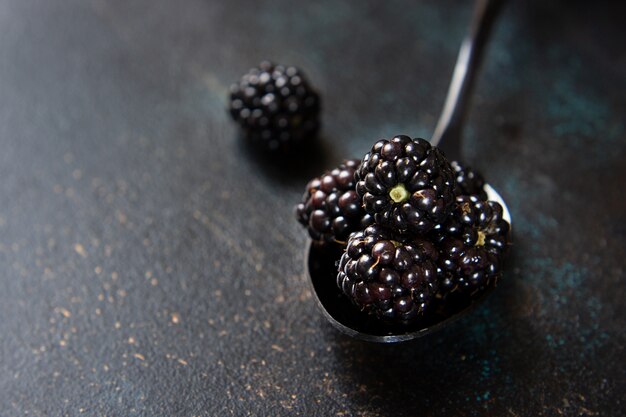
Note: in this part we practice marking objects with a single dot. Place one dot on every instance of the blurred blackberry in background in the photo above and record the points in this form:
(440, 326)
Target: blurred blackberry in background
(330, 208)
(406, 184)
(275, 106)
(392, 277)
(470, 181)
(472, 244)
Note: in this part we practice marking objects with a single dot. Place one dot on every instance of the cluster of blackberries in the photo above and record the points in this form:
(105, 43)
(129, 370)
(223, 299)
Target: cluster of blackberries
(275, 106)
(415, 228)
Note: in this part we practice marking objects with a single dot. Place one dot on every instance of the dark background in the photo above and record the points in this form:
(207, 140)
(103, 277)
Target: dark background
(150, 262)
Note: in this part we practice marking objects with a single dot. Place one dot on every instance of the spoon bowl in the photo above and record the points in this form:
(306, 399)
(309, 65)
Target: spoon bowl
(321, 263)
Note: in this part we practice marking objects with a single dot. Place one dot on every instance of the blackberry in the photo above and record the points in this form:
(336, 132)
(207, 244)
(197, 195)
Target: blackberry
(275, 106)
(472, 245)
(389, 276)
(406, 184)
(330, 208)
(470, 181)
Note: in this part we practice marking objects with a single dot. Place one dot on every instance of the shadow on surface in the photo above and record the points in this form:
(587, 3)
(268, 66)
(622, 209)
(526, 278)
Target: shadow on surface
(292, 167)
(474, 362)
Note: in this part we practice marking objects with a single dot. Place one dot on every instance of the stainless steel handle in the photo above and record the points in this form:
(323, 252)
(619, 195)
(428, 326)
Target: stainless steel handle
(449, 127)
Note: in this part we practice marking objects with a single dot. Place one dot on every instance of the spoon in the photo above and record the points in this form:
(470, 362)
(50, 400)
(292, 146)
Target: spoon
(321, 258)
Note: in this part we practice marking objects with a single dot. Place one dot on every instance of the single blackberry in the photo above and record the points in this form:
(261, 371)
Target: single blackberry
(275, 106)
(330, 208)
(470, 181)
(472, 245)
(406, 184)
(393, 278)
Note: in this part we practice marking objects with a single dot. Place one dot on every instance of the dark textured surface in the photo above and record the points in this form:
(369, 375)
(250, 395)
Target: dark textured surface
(151, 264)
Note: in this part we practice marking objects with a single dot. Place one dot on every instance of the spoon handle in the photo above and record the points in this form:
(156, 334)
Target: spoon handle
(448, 131)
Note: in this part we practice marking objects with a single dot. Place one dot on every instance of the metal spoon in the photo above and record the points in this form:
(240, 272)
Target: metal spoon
(321, 258)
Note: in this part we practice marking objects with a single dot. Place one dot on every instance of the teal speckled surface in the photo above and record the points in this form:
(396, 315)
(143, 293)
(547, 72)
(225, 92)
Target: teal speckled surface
(150, 261)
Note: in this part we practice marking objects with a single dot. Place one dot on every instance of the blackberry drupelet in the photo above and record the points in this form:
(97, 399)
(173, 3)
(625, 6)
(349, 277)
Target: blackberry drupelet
(330, 208)
(472, 245)
(470, 181)
(391, 277)
(406, 184)
(275, 106)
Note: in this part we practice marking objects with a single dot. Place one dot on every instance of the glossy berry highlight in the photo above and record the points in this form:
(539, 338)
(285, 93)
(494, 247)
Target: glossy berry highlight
(470, 182)
(275, 106)
(390, 276)
(330, 208)
(472, 246)
(406, 184)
